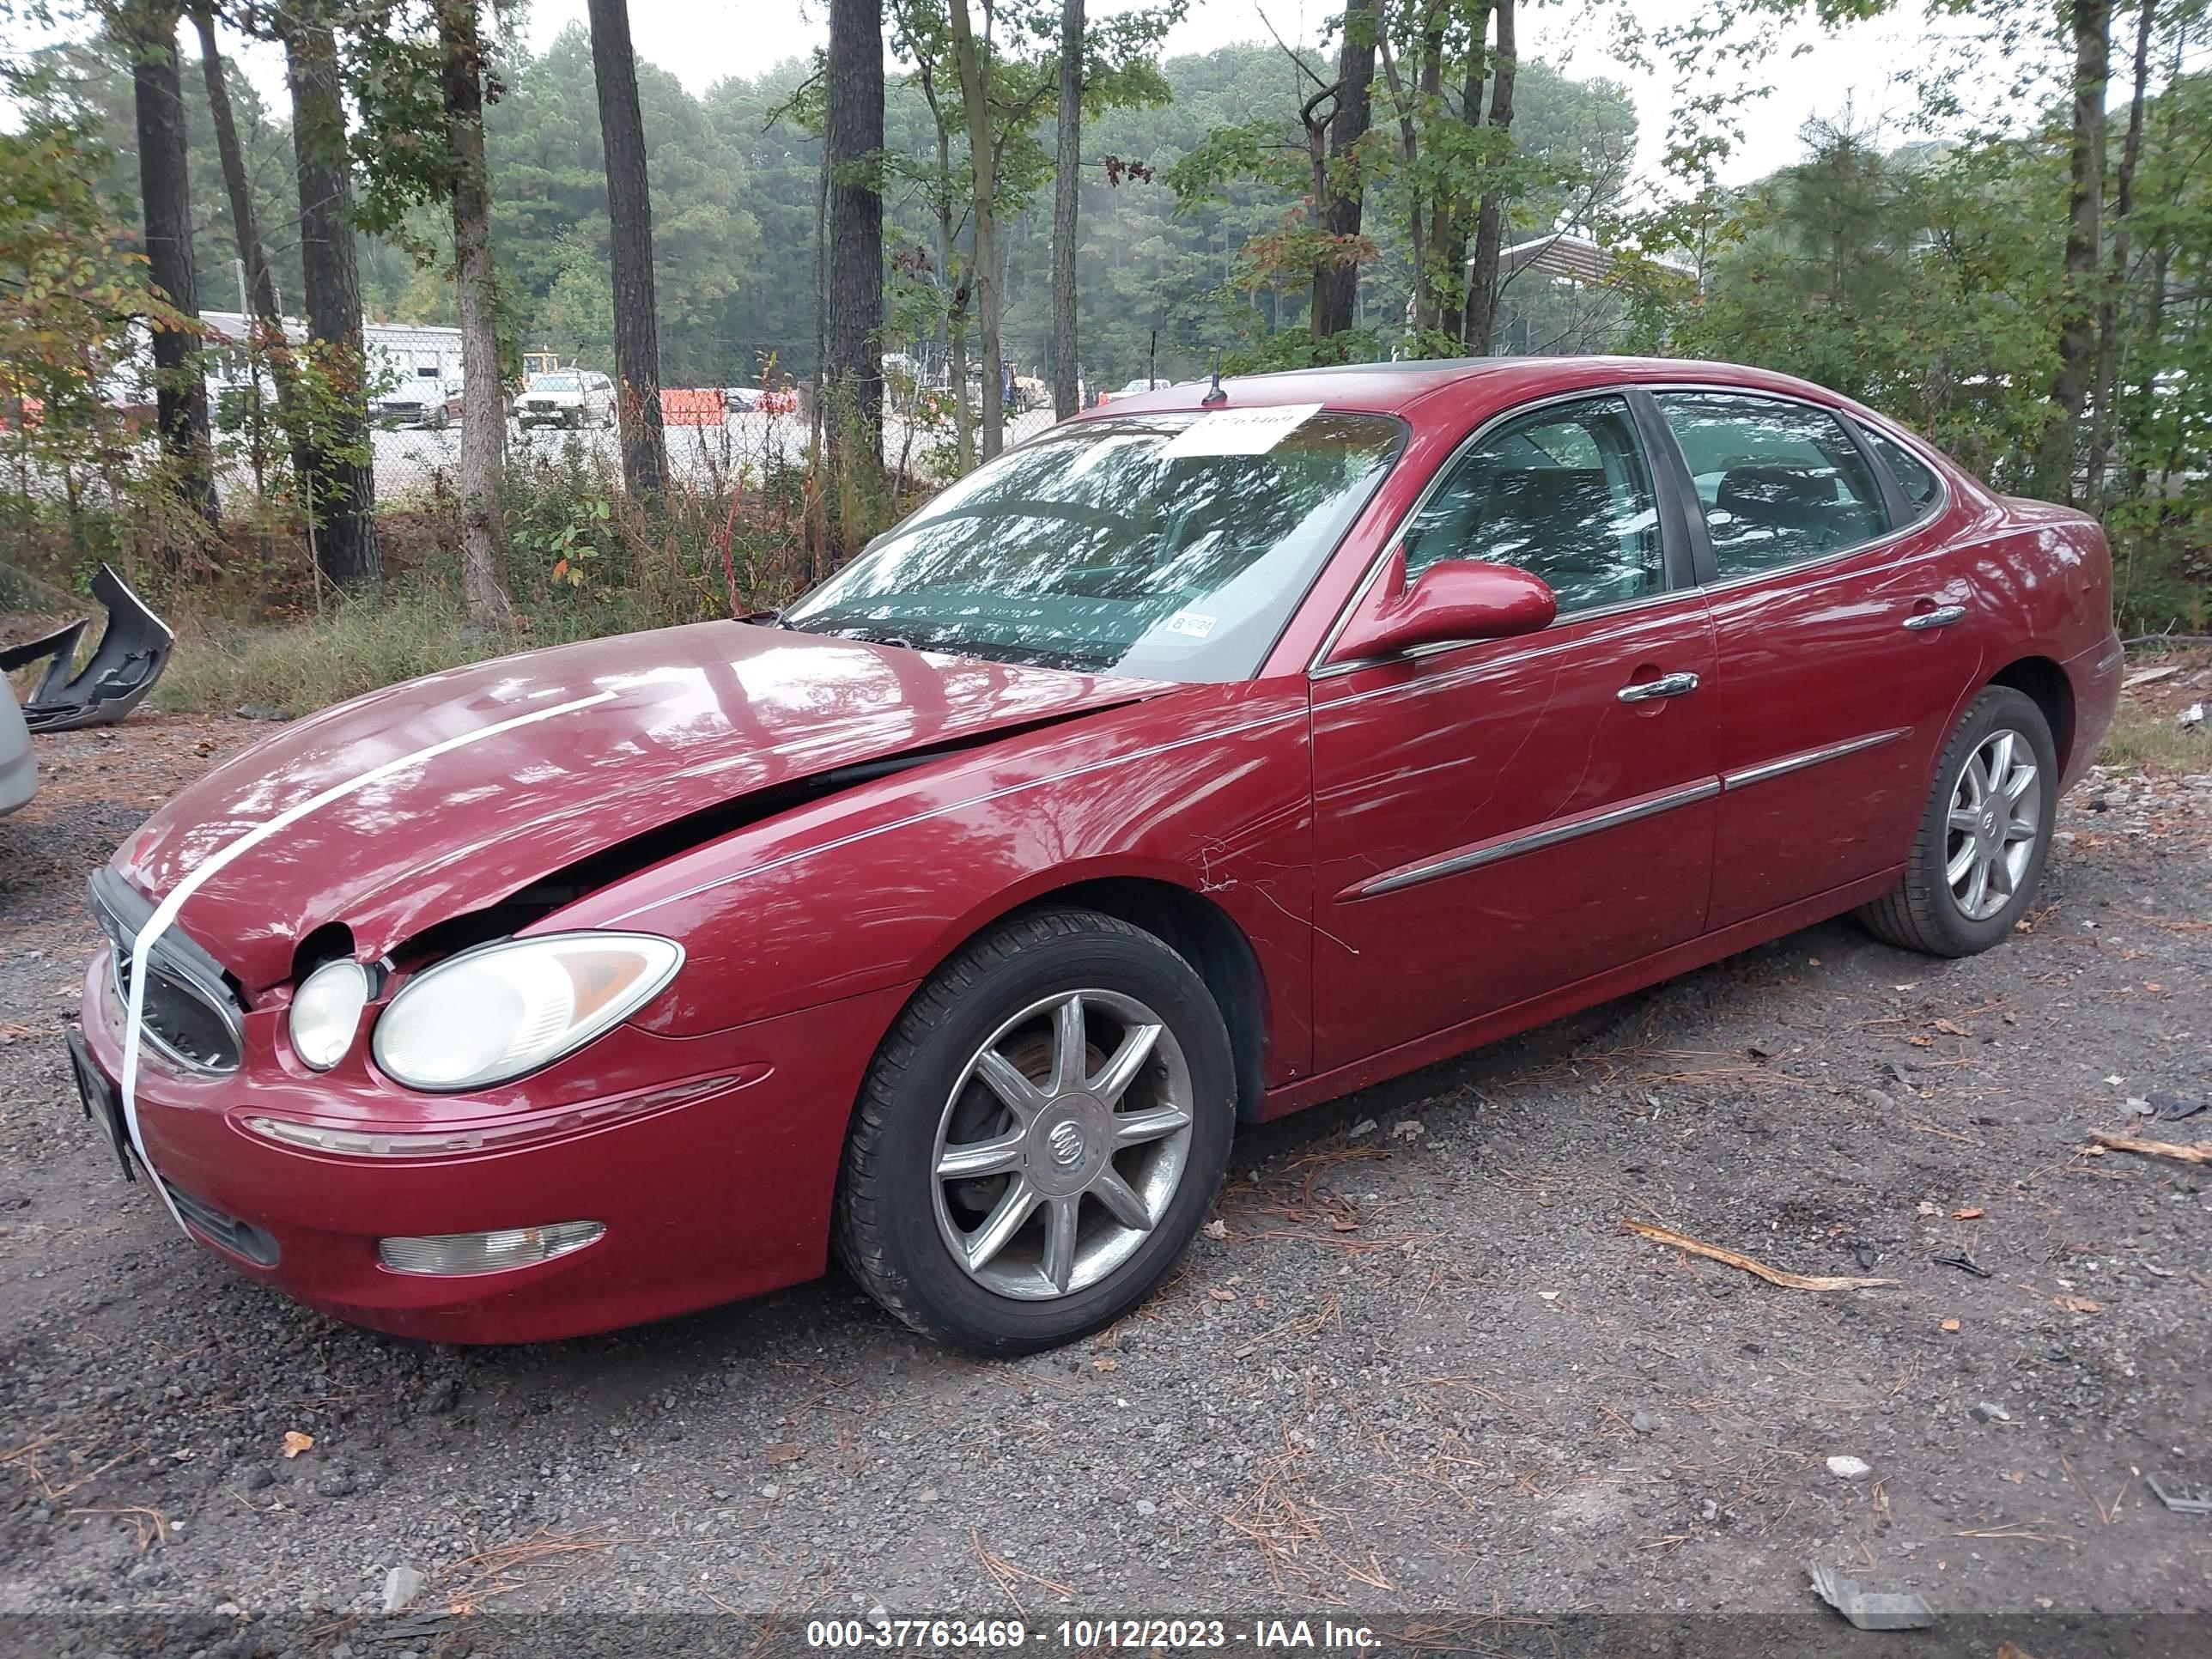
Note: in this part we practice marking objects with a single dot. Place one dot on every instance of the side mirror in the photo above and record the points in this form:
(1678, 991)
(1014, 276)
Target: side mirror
(1453, 600)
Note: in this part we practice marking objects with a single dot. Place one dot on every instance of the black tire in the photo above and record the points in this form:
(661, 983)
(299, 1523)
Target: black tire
(1924, 914)
(886, 1229)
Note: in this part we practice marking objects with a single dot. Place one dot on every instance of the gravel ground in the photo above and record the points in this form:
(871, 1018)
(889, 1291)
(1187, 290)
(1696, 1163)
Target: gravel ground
(1415, 1370)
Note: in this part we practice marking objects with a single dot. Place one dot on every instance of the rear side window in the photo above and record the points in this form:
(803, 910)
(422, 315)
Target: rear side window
(1915, 478)
(1563, 493)
(1779, 482)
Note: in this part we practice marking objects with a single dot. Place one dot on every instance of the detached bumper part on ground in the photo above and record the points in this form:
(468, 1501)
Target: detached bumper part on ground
(133, 650)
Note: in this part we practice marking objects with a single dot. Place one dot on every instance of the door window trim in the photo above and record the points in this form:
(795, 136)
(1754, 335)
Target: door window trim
(1677, 570)
(1888, 429)
(1708, 568)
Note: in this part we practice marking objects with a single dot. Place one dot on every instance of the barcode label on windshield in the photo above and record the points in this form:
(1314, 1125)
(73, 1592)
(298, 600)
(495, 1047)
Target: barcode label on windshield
(1238, 431)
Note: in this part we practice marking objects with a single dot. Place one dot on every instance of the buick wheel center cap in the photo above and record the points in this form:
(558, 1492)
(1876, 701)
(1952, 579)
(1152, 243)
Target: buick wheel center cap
(1067, 1145)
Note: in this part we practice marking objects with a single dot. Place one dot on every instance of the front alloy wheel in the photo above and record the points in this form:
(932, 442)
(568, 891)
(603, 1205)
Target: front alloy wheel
(1063, 1143)
(1039, 1134)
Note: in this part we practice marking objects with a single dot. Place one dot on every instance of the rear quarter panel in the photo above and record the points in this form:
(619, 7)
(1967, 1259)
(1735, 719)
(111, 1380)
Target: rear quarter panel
(2042, 582)
(1207, 788)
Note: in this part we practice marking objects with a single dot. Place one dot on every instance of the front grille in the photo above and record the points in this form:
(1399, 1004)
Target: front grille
(240, 1238)
(191, 1013)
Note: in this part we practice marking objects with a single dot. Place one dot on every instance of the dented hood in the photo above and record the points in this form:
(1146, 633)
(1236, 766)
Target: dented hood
(696, 717)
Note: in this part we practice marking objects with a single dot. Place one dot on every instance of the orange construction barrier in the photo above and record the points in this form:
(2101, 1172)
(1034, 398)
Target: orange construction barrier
(692, 408)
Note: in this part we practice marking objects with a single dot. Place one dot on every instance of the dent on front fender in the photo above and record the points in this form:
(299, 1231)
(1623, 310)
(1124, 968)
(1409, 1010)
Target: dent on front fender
(1207, 789)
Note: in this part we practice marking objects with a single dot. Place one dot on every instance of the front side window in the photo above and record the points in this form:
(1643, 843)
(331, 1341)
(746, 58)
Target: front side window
(1915, 479)
(1562, 493)
(1779, 482)
(1118, 545)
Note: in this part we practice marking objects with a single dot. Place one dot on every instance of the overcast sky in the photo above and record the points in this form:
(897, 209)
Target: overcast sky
(1815, 76)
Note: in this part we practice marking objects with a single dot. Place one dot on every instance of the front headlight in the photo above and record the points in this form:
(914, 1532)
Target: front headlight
(502, 1010)
(326, 1012)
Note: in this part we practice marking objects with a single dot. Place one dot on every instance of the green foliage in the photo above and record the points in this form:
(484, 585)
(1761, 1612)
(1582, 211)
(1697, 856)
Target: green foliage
(1920, 282)
(72, 293)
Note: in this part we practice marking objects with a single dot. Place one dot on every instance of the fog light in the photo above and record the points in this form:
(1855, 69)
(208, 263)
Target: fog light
(486, 1253)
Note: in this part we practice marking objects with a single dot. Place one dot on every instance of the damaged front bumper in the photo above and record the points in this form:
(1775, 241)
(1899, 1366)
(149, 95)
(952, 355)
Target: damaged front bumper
(709, 1162)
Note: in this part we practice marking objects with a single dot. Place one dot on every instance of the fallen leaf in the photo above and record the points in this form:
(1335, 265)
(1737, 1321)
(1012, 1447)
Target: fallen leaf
(2076, 1305)
(1408, 1129)
(1215, 1227)
(1106, 1364)
(1222, 1296)
(1968, 1214)
(1343, 1223)
(1948, 1029)
(1949, 1324)
(1921, 1041)
(784, 1452)
(295, 1442)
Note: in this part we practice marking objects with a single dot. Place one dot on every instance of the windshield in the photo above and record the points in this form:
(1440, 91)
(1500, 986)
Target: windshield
(556, 383)
(1131, 545)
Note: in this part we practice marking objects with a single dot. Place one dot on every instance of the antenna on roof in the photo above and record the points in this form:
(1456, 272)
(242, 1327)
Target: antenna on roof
(1214, 394)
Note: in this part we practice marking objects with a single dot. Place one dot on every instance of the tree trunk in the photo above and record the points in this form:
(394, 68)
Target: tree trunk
(267, 340)
(629, 214)
(2092, 21)
(2116, 276)
(261, 288)
(852, 138)
(1336, 282)
(1067, 199)
(484, 415)
(1428, 279)
(337, 486)
(1489, 221)
(975, 95)
(179, 390)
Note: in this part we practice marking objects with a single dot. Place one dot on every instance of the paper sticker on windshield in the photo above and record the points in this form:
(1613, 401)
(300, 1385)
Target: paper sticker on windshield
(1196, 624)
(1238, 431)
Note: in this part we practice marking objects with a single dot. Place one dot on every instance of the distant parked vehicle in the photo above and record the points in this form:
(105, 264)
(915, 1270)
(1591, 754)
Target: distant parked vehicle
(742, 399)
(434, 405)
(567, 397)
(1136, 388)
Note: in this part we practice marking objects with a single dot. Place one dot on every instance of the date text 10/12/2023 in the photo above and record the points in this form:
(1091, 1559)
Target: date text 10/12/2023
(944, 1635)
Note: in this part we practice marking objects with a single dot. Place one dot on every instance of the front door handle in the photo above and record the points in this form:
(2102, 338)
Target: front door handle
(1942, 616)
(1667, 685)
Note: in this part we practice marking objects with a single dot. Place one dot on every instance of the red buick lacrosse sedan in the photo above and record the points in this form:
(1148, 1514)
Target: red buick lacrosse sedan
(1209, 756)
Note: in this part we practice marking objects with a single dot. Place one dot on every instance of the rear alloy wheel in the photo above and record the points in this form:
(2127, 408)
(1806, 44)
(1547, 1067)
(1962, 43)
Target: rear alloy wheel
(1039, 1136)
(1984, 837)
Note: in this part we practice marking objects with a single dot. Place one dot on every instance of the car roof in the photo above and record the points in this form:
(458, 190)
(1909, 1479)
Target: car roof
(1398, 388)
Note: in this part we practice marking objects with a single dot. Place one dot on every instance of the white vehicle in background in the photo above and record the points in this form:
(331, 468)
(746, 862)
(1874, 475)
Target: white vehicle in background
(1135, 388)
(567, 397)
(19, 771)
(433, 402)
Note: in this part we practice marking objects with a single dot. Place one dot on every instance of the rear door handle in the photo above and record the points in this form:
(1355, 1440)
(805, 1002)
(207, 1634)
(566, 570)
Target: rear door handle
(1942, 616)
(1667, 685)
